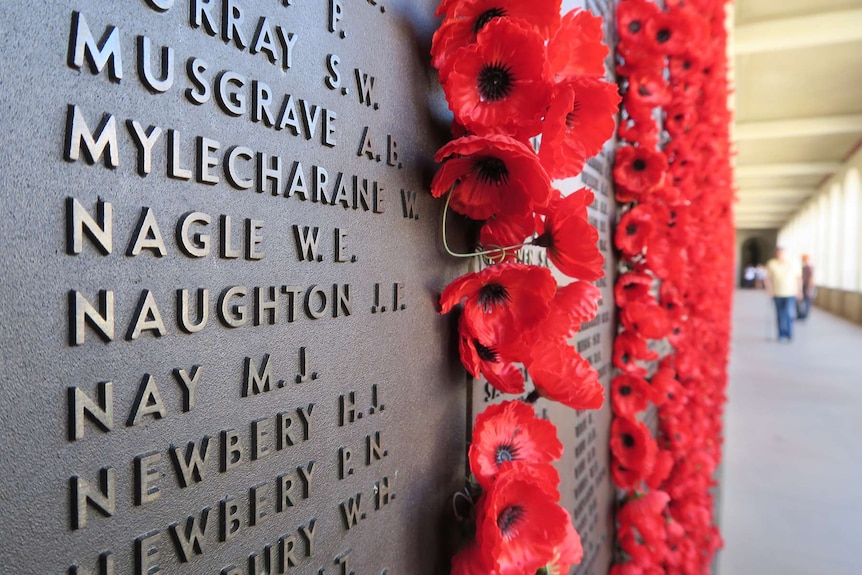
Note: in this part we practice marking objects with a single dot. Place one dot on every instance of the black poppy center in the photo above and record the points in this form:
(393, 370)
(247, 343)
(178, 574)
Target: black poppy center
(508, 518)
(686, 65)
(662, 35)
(635, 27)
(628, 440)
(506, 452)
(495, 82)
(573, 116)
(485, 353)
(625, 390)
(492, 171)
(486, 17)
(626, 358)
(491, 296)
(643, 90)
(631, 230)
(639, 165)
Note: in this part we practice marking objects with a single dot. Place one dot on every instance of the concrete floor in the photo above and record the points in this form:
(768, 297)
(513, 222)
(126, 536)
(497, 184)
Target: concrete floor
(791, 501)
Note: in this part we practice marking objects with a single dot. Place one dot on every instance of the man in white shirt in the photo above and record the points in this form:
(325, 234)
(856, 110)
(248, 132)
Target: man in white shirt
(784, 285)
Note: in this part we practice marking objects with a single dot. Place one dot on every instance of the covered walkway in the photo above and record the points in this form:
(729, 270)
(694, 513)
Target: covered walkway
(791, 502)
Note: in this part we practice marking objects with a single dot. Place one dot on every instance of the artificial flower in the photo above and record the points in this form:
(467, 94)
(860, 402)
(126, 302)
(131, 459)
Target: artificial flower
(562, 375)
(632, 444)
(630, 394)
(487, 359)
(577, 48)
(632, 16)
(571, 241)
(631, 287)
(519, 525)
(572, 305)
(646, 318)
(469, 17)
(579, 121)
(567, 553)
(630, 348)
(634, 231)
(507, 432)
(504, 231)
(638, 171)
(500, 84)
(501, 302)
(491, 174)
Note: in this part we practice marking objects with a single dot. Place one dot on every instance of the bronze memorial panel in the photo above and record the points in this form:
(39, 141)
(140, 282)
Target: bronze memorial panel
(221, 347)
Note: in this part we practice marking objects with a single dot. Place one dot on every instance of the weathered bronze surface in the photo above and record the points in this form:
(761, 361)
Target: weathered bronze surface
(221, 347)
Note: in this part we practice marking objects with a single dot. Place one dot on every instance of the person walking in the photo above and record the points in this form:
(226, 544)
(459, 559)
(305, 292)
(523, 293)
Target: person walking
(809, 290)
(784, 285)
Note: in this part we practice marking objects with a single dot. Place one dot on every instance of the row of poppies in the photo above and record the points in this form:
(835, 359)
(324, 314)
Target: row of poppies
(526, 88)
(675, 239)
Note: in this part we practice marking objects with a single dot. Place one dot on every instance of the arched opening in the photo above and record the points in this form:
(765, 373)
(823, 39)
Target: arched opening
(753, 253)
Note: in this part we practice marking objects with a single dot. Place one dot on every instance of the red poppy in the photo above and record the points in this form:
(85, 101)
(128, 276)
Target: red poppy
(662, 383)
(469, 17)
(629, 348)
(625, 478)
(500, 83)
(644, 132)
(562, 375)
(489, 175)
(577, 47)
(636, 547)
(505, 231)
(661, 470)
(632, 16)
(669, 32)
(634, 231)
(571, 241)
(679, 119)
(578, 123)
(635, 59)
(445, 6)
(510, 431)
(519, 523)
(645, 512)
(638, 171)
(572, 305)
(629, 394)
(567, 553)
(501, 302)
(629, 568)
(471, 561)
(632, 444)
(646, 318)
(632, 286)
(489, 360)
(647, 90)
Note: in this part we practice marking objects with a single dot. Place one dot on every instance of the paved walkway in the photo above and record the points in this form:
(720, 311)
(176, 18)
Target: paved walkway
(792, 477)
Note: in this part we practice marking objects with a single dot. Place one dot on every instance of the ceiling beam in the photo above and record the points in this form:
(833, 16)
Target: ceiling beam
(774, 193)
(799, 169)
(759, 214)
(835, 27)
(756, 226)
(764, 209)
(798, 127)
